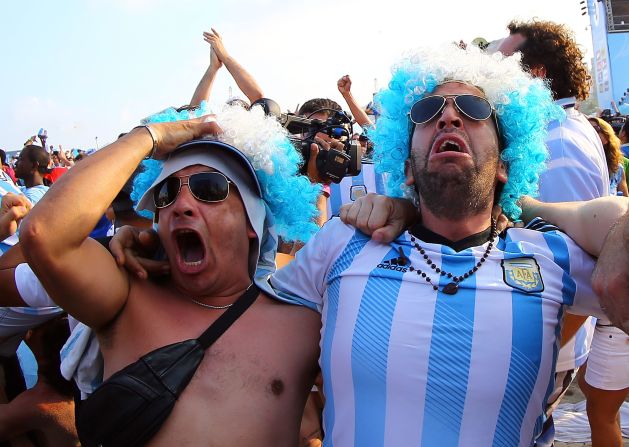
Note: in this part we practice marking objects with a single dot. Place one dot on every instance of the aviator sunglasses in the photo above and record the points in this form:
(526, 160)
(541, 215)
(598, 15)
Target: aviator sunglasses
(473, 107)
(206, 187)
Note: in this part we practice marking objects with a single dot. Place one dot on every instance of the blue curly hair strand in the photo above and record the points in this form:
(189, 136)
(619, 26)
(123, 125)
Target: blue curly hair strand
(290, 197)
(524, 106)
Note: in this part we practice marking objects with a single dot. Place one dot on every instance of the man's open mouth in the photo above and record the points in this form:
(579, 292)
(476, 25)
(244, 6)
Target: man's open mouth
(449, 146)
(190, 247)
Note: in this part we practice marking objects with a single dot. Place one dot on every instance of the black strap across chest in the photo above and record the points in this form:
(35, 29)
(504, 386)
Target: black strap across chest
(222, 323)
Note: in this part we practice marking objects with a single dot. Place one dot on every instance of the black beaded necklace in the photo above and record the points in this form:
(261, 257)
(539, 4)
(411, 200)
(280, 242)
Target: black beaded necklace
(452, 287)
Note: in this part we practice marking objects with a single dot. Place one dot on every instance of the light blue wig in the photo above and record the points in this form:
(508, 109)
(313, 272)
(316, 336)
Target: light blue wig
(290, 197)
(524, 107)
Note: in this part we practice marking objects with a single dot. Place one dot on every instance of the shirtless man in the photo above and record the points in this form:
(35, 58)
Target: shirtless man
(251, 387)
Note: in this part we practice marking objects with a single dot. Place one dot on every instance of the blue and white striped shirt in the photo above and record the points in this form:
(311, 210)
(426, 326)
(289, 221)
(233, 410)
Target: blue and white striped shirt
(404, 365)
(351, 188)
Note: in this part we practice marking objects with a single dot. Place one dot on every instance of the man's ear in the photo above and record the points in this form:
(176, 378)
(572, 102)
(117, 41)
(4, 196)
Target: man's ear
(539, 71)
(251, 234)
(501, 174)
(408, 171)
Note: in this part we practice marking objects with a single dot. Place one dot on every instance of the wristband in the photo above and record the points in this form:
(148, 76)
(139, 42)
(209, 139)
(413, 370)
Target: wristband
(152, 134)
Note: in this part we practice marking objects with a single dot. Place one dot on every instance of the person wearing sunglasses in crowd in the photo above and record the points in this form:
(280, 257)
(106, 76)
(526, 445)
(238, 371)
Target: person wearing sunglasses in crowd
(214, 207)
(449, 334)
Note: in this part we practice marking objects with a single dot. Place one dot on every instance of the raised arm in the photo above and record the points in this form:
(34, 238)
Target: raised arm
(588, 223)
(9, 294)
(54, 236)
(13, 209)
(345, 88)
(246, 83)
(203, 90)
(64, 160)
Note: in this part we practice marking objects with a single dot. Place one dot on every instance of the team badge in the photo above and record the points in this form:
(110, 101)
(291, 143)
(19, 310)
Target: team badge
(522, 274)
(356, 191)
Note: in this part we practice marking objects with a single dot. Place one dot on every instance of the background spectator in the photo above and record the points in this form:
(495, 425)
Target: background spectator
(613, 155)
(6, 167)
(31, 167)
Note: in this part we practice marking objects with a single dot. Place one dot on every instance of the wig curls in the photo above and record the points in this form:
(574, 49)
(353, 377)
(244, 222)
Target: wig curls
(524, 107)
(290, 197)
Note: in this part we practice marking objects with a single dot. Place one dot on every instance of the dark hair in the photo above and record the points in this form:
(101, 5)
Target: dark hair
(625, 128)
(37, 154)
(315, 105)
(553, 46)
(3, 157)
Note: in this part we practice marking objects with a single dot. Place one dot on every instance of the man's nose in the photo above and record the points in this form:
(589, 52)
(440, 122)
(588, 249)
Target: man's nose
(185, 201)
(450, 116)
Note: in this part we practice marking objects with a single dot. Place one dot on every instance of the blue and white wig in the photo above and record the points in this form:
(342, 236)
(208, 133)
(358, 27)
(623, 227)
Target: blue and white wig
(290, 197)
(524, 106)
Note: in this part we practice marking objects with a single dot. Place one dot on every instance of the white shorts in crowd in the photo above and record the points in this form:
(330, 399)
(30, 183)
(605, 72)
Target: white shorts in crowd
(608, 362)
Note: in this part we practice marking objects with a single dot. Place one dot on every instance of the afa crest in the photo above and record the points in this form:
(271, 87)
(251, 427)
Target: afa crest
(522, 274)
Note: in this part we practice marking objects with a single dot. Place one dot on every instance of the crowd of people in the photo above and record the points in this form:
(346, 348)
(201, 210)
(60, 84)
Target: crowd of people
(245, 276)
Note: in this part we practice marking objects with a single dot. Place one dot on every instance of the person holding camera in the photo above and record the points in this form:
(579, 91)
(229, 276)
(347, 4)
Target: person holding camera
(367, 181)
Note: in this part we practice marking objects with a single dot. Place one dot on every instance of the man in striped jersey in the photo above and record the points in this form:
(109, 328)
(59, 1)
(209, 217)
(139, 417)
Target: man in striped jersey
(576, 169)
(449, 334)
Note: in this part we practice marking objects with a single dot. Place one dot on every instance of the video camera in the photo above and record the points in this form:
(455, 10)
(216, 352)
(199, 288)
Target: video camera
(333, 164)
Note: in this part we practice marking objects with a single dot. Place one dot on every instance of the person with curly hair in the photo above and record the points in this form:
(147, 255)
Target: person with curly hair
(576, 169)
(447, 335)
(549, 51)
(613, 155)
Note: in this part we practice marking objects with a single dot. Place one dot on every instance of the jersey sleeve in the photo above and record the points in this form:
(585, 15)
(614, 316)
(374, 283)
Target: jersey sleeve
(303, 281)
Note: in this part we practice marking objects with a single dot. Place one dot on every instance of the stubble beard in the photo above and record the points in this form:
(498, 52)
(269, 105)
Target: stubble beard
(456, 195)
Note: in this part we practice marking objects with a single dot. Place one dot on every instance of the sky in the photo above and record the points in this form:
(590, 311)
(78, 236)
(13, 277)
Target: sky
(87, 70)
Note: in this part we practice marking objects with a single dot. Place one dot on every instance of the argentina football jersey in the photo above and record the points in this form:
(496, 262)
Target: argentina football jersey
(351, 188)
(406, 363)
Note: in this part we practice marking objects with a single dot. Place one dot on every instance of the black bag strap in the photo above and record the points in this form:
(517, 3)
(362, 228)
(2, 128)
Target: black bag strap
(222, 323)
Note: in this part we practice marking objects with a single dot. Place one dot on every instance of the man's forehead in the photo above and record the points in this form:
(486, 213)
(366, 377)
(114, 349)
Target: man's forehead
(457, 88)
(192, 169)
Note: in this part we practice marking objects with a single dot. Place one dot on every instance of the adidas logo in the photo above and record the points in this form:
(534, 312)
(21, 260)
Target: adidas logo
(396, 264)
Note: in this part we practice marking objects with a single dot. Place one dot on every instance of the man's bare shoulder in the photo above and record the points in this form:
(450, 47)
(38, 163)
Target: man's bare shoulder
(294, 314)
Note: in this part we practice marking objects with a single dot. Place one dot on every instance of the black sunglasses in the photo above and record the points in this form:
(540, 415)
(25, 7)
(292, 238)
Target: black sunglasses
(207, 187)
(473, 107)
